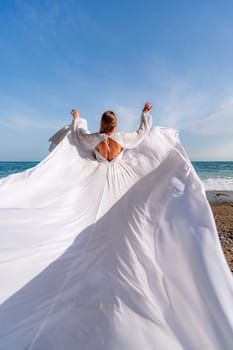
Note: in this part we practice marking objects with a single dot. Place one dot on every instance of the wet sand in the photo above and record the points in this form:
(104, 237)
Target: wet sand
(222, 207)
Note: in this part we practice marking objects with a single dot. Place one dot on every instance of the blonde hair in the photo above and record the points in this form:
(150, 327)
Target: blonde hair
(108, 122)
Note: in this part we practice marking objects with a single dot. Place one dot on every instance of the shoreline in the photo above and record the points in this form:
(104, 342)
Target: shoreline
(219, 196)
(221, 203)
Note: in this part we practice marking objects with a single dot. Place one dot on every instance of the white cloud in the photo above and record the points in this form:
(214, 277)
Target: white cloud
(180, 105)
(48, 21)
(127, 117)
(197, 111)
(21, 122)
(218, 122)
(218, 150)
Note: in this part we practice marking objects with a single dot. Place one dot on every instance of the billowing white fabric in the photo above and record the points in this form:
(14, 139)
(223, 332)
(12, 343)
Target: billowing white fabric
(120, 255)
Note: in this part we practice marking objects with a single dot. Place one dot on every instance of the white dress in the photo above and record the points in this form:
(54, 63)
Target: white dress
(112, 255)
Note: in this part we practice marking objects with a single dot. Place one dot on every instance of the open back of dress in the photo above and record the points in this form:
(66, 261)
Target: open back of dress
(109, 149)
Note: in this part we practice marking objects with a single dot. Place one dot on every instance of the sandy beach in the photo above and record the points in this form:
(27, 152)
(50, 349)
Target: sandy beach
(222, 207)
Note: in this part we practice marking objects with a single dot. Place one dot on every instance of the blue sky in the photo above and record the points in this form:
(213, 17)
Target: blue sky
(56, 55)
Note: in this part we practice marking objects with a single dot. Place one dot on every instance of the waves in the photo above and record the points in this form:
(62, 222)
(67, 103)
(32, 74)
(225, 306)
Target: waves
(216, 176)
(218, 184)
(9, 167)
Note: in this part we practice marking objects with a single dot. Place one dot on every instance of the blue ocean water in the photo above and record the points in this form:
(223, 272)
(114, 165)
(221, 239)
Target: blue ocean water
(214, 169)
(215, 175)
(8, 168)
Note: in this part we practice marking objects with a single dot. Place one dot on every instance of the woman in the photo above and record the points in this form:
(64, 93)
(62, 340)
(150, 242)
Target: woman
(110, 243)
(107, 144)
(107, 128)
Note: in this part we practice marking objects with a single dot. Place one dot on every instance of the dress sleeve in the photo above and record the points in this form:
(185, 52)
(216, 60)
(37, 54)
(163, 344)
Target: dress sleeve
(132, 139)
(56, 138)
(83, 136)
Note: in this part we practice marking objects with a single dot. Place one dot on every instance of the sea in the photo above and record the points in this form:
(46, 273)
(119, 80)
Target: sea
(217, 176)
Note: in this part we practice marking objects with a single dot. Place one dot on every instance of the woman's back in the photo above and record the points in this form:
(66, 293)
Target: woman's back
(109, 149)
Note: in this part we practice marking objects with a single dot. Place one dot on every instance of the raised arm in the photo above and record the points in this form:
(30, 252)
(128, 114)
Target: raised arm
(132, 139)
(82, 134)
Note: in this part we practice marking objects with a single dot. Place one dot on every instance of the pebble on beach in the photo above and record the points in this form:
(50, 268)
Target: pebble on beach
(223, 214)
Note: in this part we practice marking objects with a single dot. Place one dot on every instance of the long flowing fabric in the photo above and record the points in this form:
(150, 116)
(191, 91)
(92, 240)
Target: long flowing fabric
(120, 255)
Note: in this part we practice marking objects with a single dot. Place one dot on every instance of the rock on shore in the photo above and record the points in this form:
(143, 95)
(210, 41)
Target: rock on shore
(223, 214)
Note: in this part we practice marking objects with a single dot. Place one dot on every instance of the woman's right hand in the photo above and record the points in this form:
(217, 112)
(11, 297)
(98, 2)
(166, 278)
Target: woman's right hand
(75, 113)
(147, 107)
